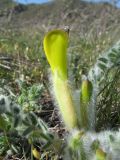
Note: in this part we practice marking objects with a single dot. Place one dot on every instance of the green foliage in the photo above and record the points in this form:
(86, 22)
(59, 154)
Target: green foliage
(29, 96)
(105, 77)
(3, 145)
(18, 127)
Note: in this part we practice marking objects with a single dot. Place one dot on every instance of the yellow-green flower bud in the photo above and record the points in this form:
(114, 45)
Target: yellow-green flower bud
(35, 153)
(75, 139)
(55, 46)
(100, 154)
(86, 91)
(85, 97)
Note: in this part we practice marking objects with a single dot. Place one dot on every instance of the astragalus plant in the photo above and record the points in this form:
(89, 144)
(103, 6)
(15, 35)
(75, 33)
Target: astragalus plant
(95, 100)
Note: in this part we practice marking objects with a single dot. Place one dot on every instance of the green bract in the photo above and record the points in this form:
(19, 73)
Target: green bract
(55, 46)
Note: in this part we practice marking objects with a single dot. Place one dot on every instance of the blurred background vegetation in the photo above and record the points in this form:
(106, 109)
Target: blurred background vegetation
(94, 28)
